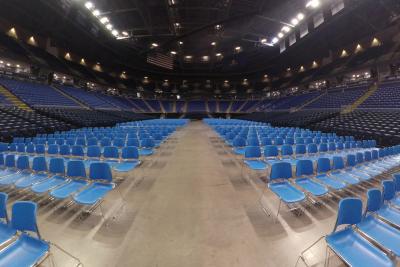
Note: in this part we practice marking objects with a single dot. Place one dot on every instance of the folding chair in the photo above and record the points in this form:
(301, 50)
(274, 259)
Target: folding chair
(39, 173)
(129, 160)
(348, 244)
(57, 170)
(21, 171)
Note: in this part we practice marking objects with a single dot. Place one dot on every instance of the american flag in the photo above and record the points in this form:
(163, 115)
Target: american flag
(161, 60)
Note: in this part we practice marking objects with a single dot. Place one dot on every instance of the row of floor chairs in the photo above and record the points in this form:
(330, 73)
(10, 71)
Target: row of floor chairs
(372, 237)
(123, 161)
(327, 177)
(58, 181)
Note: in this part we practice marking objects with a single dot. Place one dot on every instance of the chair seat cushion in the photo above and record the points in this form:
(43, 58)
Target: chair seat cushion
(357, 251)
(8, 180)
(335, 184)
(146, 152)
(381, 233)
(6, 233)
(126, 166)
(26, 251)
(311, 186)
(286, 192)
(6, 172)
(258, 165)
(30, 180)
(390, 214)
(345, 177)
(68, 189)
(93, 193)
(48, 184)
(239, 150)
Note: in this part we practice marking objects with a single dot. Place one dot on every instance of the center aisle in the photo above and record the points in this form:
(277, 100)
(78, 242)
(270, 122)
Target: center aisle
(191, 215)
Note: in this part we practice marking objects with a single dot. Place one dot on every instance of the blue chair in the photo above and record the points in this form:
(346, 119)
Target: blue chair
(339, 173)
(312, 149)
(93, 152)
(239, 145)
(26, 250)
(132, 142)
(361, 174)
(40, 149)
(96, 191)
(57, 170)
(105, 142)
(76, 174)
(77, 152)
(253, 158)
(331, 147)
(389, 193)
(65, 150)
(30, 148)
(364, 167)
(271, 154)
(21, 148)
(60, 141)
(52, 150)
(286, 151)
(283, 189)
(6, 232)
(278, 141)
(350, 245)
(14, 175)
(323, 171)
(130, 159)
(266, 141)
(39, 173)
(380, 232)
(92, 142)
(111, 154)
(146, 147)
(300, 150)
(70, 142)
(306, 168)
(252, 142)
(323, 147)
(119, 142)
(9, 163)
(81, 142)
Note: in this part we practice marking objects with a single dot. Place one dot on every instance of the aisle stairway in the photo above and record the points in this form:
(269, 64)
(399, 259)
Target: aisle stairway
(371, 90)
(14, 99)
(308, 102)
(75, 100)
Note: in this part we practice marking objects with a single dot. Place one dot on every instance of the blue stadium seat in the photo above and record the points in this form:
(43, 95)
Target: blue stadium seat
(130, 159)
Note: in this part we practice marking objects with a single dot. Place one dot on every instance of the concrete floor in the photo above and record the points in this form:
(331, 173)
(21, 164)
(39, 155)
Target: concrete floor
(190, 204)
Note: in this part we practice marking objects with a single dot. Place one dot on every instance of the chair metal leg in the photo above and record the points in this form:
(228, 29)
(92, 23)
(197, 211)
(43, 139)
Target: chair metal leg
(79, 263)
(308, 248)
(279, 209)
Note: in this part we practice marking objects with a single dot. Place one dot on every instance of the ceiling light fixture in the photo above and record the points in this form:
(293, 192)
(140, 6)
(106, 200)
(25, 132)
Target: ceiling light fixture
(104, 20)
(154, 45)
(300, 16)
(109, 27)
(275, 40)
(96, 12)
(286, 29)
(173, 52)
(313, 4)
(280, 35)
(294, 21)
(115, 32)
(89, 5)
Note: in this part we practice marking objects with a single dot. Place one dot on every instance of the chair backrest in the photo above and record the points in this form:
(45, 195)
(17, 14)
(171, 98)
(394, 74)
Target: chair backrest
(23, 163)
(80, 142)
(10, 161)
(304, 167)
(57, 166)
(331, 146)
(60, 141)
(350, 212)
(339, 146)
(40, 149)
(323, 147)
(147, 143)
(119, 142)
(252, 142)
(52, 149)
(239, 142)
(76, 168)
(1, 159)
(359, 157)
(312, 148)
(286, 150)
(278, 141)
(271, 151)
(111, 152)
(289, 141)
(92, 142)
(3, 206)
(252, 152)
(93, 152)
(70, 141)
(300, 149)
(323, 165)
(396, 179)
(266, 141)
(130, 152)
(281, 170)
(65, 150)
(30, 148)
(133, 142)
(21, 148)
(338, 163)
(24, 216)
(389, 190)
(105, 142)
(100, 171)
(77, 151)
(374, 201)
(351, 160)
(39, 164)
(367, 155)
(375, 154)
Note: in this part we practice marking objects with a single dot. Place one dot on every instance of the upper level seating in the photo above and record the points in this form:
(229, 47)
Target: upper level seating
(236, 106)
(155, 105)
(37, 94)
(89, 98)
(139, 103)
(223, 106)
(212, 106)
(167, 105)
(82, 117)
(387, 96)
(196, 106)
(294, 101)
(179, 106)
(338, 98)
(4, 101)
